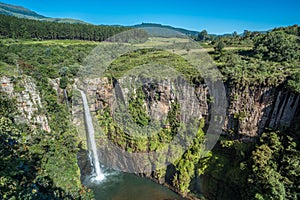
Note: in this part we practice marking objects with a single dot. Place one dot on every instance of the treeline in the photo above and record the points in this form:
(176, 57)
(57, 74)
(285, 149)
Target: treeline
(18, 28)
(292, 30)
(247, 38)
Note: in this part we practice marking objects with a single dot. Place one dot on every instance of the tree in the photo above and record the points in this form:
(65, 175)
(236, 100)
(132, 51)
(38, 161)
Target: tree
(64, 71)
(234, 34)
(294, 82)
(275, 167)
(63, 82)
(219, 46)
(277, 46)
(202, 36)
(246, 33)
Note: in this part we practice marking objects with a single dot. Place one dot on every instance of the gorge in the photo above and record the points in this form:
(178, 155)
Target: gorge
(262, 105)
(83, 119)
(251, 110)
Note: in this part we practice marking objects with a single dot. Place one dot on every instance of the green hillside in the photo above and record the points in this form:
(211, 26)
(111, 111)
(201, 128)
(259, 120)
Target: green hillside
(21, 12)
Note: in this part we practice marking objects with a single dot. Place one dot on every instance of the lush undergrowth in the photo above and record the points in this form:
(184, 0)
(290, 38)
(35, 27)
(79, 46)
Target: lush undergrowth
(36, 164)
(265, 169)
(163, 62)
(47, 60)
(273, 59)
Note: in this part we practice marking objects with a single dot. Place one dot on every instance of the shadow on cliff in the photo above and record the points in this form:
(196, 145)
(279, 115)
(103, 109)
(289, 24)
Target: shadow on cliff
(283, 109)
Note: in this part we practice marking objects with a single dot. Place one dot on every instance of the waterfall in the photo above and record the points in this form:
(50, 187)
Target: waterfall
(91, 137)
(66, 97)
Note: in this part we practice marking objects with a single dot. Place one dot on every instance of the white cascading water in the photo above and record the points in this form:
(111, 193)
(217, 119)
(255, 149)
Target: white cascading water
(91, 134)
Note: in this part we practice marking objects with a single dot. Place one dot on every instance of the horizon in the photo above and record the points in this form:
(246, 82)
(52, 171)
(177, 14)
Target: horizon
(216, 16)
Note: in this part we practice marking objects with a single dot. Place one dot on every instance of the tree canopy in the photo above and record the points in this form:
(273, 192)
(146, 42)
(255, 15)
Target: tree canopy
(277, 46)
(14, 27)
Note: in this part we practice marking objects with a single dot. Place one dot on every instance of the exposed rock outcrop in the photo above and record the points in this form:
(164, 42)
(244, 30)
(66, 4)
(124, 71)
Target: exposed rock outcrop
(250, 109)
(28, 100)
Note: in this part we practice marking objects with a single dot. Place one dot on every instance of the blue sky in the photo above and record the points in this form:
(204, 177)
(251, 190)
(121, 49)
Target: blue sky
(216, 16)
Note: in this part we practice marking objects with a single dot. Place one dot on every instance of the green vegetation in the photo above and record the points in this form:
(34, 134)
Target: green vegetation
(37, 164)
(277, 46)
(6, 69)
(194, 162)
(294, 82)
(202, 36)
(219, 46)
(42, 59)
(32, 162)
(155, 58)
(137, 109)
(17, 28)
(266, 169)
(273, 58)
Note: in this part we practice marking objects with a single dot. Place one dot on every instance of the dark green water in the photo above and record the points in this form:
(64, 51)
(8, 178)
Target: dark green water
(123, 186)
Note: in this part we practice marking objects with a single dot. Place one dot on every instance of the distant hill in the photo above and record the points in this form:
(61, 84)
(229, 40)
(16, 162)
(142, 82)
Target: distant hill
(181, 30)
(18, 11)
(21, 12)
(64, 20)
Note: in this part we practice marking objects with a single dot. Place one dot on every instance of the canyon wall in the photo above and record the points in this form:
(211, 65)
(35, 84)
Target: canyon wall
(28, 101)
(250, 109)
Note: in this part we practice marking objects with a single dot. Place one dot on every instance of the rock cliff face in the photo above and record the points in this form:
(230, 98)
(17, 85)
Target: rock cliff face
(158, 97)
(28, 100)
(250, 109)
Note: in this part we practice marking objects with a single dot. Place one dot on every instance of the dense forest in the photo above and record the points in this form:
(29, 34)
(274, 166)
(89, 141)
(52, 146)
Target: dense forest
(14, 27)
(36, 164)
